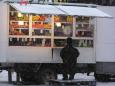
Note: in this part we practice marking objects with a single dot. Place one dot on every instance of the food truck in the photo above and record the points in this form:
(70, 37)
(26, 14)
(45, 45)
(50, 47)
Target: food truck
(32, 36)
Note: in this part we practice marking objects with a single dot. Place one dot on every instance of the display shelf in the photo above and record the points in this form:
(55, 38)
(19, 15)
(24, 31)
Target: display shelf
(41, 37)
(83, 29)
(63, 18)
(45, 42)
(60, 37)
(59, 42)
(18, 32)
(82, 22)
(11, 21)
(23, 17)
(19, 23)
(63, 30)
(22, 28)
(42, 18)
(65, 22)
(83, 33)
(76, 43)
(18, 16)
(50, 30)
(40, 21)
(83, 19)
(41, 32)
(88, 38)
(63, 26)
(16, 36)
(41, 28)
(41, 25)
(82, 43)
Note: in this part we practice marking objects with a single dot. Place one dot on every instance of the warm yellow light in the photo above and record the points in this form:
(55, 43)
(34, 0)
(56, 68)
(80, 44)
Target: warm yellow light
(58, 24)
(20, 15)
(20, 22)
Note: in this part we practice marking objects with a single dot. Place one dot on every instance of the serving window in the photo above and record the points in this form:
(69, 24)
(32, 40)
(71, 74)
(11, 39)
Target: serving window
(49, 30)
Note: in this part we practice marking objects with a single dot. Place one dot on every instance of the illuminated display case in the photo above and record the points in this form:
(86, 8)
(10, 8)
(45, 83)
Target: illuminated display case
(29, 30)
(84, 30)
(41, 25)
(81, 29)
(19, 23)
(49, 30)
(63, 26)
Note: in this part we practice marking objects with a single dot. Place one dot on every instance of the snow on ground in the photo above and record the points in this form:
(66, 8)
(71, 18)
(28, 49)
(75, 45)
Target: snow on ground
(79, 76)
(4, 79)
(4, 76)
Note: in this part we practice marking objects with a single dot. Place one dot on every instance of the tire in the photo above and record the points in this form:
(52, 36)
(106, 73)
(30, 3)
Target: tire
(27, 77)
(26, 72)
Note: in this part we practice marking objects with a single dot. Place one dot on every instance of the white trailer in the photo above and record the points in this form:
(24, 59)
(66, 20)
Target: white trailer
(105, 45)
(35, 52)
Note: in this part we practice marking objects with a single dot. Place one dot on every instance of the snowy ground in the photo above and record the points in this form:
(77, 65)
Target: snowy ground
(4, 79)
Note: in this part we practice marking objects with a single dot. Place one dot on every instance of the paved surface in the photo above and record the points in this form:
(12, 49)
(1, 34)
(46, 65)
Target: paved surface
(98, 84)
(7, 84)
(4, 80)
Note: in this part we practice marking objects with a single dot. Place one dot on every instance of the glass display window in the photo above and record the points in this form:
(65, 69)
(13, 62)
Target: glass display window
(82, 19)
(83, 27)
(82, 43)
(19, 23)
(30, 42)
(61, 18)
(59, 42)
(41, 25)
(44, 31)
(19, 28)
(63, 26)
(75, 43)
(64, 29)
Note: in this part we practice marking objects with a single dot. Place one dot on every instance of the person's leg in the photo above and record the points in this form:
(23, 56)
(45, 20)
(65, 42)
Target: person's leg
(72, 71)
(65, 76)
(65, 72)
(71, 76)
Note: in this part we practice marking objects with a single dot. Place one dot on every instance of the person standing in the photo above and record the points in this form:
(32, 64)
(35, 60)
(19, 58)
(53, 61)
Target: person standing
(69, 56)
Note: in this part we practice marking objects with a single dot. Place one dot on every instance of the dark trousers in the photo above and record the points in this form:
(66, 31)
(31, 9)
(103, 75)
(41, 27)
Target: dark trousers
(69, 69)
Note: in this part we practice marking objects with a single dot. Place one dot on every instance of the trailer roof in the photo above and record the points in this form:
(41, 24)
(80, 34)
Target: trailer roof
(59, 10)
(83, 11)
(38, 9)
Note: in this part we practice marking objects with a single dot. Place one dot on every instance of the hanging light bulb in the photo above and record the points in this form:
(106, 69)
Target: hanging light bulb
(58, 24)
(20, 22)
(20, 15)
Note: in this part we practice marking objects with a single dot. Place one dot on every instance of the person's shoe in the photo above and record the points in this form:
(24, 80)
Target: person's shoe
(65, 78)
(71, 78)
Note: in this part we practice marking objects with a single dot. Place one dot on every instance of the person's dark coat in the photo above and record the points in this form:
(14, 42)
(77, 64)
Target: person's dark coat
(69, 56)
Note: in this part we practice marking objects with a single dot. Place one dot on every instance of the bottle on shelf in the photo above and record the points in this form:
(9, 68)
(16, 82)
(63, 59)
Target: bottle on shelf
(33, 41)
(48, 43)
(85, 43)
(10, 41)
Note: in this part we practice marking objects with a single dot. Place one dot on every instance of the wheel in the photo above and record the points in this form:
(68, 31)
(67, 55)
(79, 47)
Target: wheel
(46, 74)
(27, 77)
(26, 72)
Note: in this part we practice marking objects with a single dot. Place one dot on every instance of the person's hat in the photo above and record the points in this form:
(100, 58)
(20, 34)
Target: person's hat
(69, 40)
